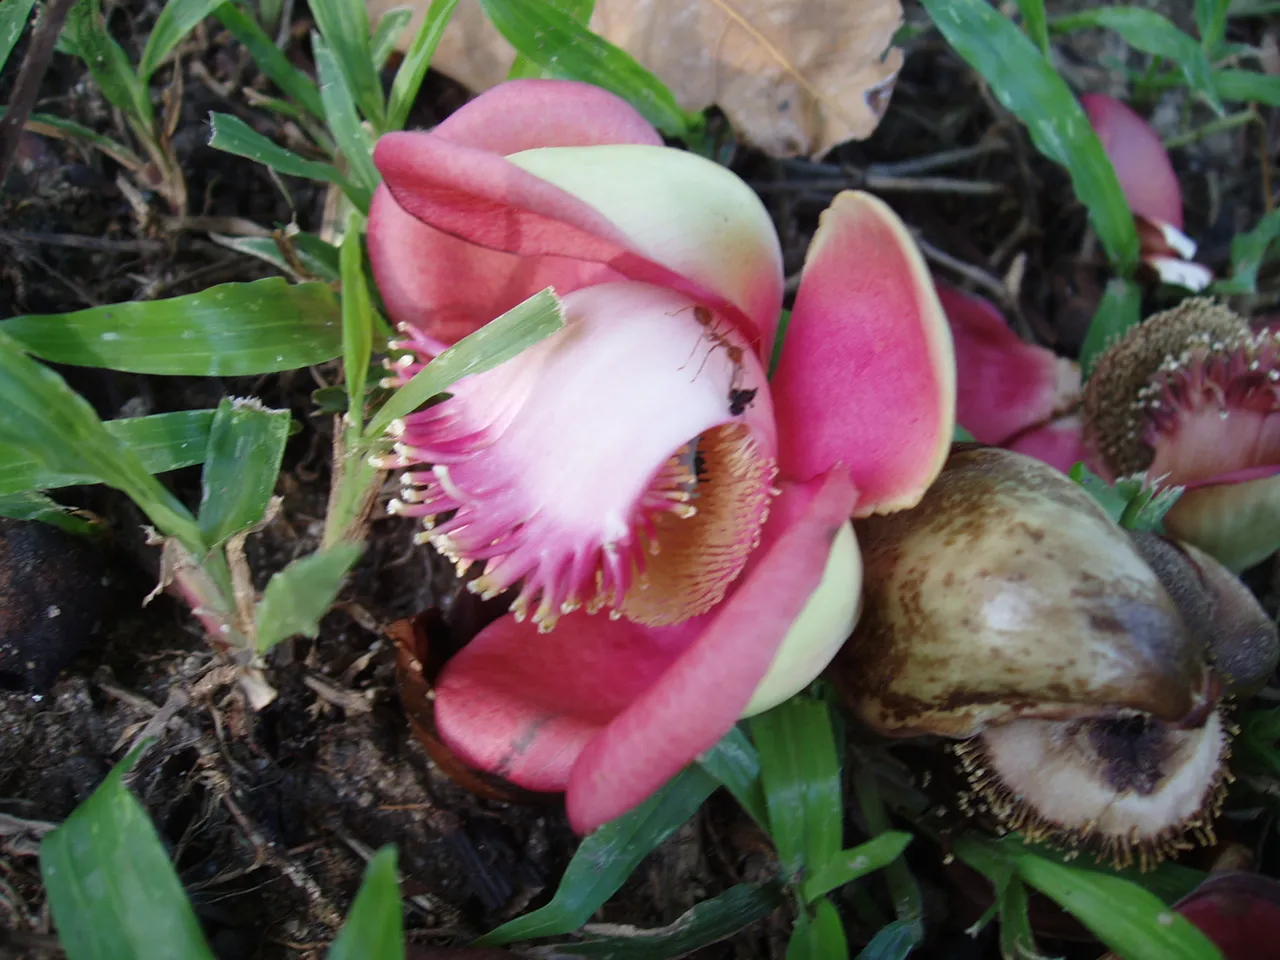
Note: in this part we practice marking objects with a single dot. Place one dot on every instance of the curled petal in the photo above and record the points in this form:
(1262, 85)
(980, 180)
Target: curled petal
(704, 692)
(663, 216)
(608, 464)
(526, 114)
(1059, 443)
(867, 376)
(1003, 385)
(1141, 162)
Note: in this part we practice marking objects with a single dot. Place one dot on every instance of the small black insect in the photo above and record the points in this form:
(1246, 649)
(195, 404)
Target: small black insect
(739, 400)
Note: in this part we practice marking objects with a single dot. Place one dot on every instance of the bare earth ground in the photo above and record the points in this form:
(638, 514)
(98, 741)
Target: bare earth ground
(270, 817)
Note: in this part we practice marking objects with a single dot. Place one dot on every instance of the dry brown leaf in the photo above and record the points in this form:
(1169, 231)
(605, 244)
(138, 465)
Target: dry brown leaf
(793, 76)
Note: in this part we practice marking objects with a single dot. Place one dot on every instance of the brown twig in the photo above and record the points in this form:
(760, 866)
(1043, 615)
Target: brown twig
(27, 87)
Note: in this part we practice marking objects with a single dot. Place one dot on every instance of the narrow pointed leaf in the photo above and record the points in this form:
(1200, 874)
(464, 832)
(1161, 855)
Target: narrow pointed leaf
(1028, 85)
(1035, 23)
(344, 24)
(269, 58)
(1211, 21)
(231, 330)
(50, 126)
(894, 941)
(357, 322)
(857, 862)
(30, 505)
(316, 257)
(1248, 85)
(176, 20)
(1248, 253)
(111, 886)
(233, 135)
(413, 69)
(345, 124)
(107, 62)
(388, 31)
(1119, 311)
(298, 596)
(375, 927)
(14, 15)
(242, 462)
(735, 762)
(579, 11)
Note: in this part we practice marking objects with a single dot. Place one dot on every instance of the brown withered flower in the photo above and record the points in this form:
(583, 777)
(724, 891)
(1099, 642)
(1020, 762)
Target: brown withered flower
(1081, 667)
(1193, 396)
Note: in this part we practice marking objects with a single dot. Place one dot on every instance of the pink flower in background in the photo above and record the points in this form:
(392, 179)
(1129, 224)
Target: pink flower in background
(1010, 393)
(1151, 186)
(639, 460)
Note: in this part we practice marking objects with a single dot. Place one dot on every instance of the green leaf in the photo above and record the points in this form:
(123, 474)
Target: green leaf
(818, 935)
(231, 330)
(30, 505)
(496, 342)
(300, 595)
(315, 256)
(849, 865)
(165, 441)
(607, 857)
(390, 26)
(1133, 502)
(569, 51)
(1035, 23)
(53, 425)
(14, 15)
(1026, 83)
(1248, 85)
(1155, 34)
(1248, 253)
(1130, 920)
(108, 63)
(232, 135)
(111, 886)
(357, 322)
(404, 90)
(579, 11)
(961, 435)
(344, 24)
(270, 60)
(736, 764)
(1169, 881)
(801, 776)
(894, 941)
(1211, 22)
(344, 123)
(705, 923)
(242, 461)
(1119, 311)
(176, 20)
(375, 927)
(51, 126)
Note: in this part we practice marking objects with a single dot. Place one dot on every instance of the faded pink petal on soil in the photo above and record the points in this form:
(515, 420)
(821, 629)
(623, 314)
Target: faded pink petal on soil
(1141, 162)
(867, 376)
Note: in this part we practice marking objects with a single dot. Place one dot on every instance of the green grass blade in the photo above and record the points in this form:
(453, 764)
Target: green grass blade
(1026, 83)
(176, 20)
(108, 63)
(270, 60)
(1248, 253)
(568, 50)
(163, 442)
(413, 69)
(701, 926)
(111, 886)
(233, 135)
(344, 123)
(344, 24)
(1036, 23)
(894, 941)
(496, 342)
(1248, 85)
(51, 126)
(14, 15)
(230, 330)
(1155, 34)
(1211, 22)
(736, 764)
(375, 927)
(1119, 311)
(579, 11)
(849, 865)
(316, 257)
(55, 426)
(357, 323)
(392, 24)
(818, 935)
(30, 505)
(242, 462)
(607, 857)
(298, 596)
(801, 775)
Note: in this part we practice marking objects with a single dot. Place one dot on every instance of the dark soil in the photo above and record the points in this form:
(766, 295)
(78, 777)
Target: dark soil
(270, 816)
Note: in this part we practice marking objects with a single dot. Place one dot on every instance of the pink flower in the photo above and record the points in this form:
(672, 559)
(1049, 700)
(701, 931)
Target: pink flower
(1009, 393)
(639, 460)
(1151, 186)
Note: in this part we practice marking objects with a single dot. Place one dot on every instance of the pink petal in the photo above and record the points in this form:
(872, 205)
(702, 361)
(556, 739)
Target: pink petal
(491, 202)
(703, 693)
(867, 376)
(1141, 162)
(1003, 384)
(525, 114)
(1059, 443)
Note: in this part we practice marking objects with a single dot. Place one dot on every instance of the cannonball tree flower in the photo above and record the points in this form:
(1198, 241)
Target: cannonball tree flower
(639, 460)
(1151, 186)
